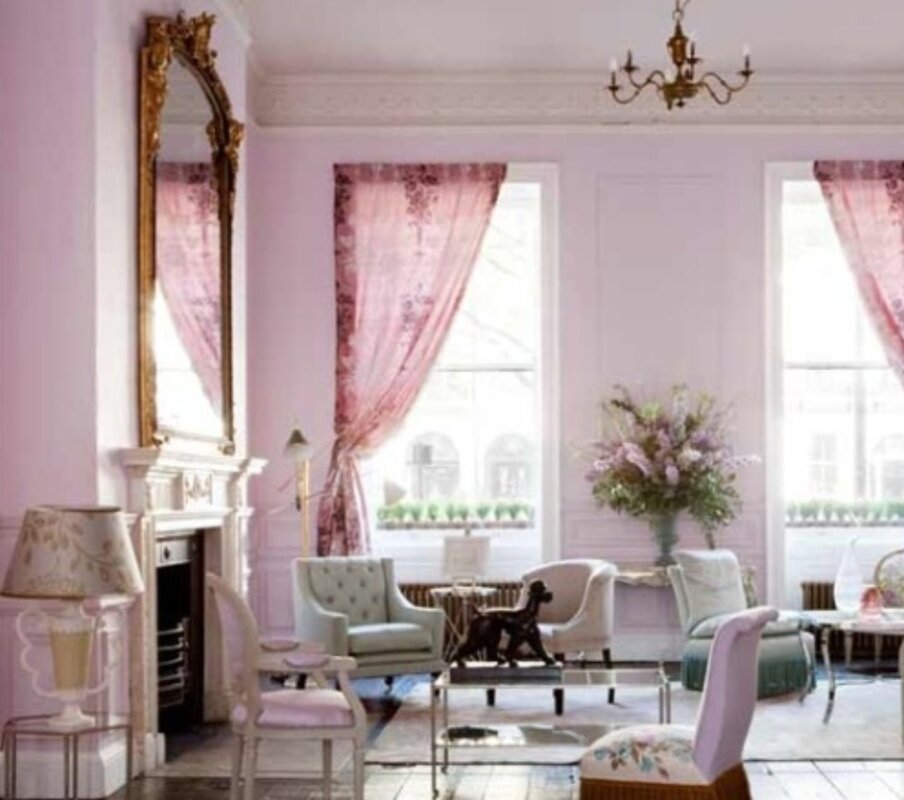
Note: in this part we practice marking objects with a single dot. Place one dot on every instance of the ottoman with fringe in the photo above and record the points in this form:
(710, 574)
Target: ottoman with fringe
(783, 665)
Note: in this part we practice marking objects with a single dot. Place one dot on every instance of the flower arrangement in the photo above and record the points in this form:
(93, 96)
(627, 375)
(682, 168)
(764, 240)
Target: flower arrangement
(657, 460)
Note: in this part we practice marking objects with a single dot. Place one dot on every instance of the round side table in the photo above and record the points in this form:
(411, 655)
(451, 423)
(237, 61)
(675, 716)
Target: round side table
(458, 602)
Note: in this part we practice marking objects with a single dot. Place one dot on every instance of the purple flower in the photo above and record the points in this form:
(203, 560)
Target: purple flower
(637, 457)
(672, 475)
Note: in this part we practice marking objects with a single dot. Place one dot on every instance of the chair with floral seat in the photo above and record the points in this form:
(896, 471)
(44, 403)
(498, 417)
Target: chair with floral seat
(313, 715)
(678, 762)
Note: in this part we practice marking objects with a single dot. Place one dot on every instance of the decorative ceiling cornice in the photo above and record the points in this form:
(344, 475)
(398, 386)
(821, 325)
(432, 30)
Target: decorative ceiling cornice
(572, 99)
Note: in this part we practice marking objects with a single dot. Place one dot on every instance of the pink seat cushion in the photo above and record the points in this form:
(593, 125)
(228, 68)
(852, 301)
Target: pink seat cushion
(311, 708)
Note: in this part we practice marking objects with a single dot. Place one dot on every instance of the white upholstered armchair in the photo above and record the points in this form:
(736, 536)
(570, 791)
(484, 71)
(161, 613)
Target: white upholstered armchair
(355, 608)
(579, 620)
(580, 617)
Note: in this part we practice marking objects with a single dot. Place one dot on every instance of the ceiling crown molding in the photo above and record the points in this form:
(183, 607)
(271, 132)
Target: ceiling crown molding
(571, 99)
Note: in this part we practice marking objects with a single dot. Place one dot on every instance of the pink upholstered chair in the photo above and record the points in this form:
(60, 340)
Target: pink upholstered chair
(316, 714)
(682, 762)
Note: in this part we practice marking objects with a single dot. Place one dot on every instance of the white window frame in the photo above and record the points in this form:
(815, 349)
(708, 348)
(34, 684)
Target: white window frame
(776, 175)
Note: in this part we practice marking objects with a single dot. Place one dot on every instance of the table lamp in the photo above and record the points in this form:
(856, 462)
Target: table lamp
(65, 556)
(300, 451)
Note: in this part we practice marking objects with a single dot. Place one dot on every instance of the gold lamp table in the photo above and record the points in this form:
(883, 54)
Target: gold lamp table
(41, 726)
(458, 602)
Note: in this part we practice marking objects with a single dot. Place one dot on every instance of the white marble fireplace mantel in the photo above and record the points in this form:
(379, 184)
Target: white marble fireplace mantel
(171, 491)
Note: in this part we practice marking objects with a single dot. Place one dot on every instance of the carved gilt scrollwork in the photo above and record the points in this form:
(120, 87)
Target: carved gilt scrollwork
(188, 40)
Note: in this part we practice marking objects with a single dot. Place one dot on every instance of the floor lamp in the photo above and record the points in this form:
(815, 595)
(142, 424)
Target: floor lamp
(300, 451)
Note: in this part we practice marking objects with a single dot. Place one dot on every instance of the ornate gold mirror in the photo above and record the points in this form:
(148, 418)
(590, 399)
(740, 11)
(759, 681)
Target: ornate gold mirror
(188, 159)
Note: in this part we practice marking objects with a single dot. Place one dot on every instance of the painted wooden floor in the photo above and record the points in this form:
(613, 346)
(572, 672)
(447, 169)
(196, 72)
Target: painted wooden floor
(793, 780)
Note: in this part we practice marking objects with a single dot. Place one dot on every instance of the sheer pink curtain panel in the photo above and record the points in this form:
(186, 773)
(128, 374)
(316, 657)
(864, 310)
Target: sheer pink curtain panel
(866, 201)
(188, 265)
(407, 237)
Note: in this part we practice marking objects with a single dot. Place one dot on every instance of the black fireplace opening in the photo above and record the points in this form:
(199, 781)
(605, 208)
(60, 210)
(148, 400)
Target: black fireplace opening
(180, 631)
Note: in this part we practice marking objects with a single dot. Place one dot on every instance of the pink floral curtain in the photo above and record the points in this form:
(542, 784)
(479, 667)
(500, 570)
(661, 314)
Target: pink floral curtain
(188, 265)
(866, 201)
(406, 239)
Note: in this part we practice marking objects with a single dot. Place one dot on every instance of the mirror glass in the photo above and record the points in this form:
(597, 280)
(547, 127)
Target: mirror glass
(187, 299)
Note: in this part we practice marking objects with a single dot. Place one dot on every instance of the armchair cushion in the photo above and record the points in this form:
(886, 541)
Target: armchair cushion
(388, 637)
(646, 754)
(289, 708)
(710, 582)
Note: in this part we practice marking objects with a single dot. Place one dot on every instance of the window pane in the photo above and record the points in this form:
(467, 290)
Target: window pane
(821, 308)
(498, 321)
(819, 434)
(475, 411)
(884, 435)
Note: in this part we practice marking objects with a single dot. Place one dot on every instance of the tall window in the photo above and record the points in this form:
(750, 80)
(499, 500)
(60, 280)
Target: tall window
(472, 438)
(843, 407)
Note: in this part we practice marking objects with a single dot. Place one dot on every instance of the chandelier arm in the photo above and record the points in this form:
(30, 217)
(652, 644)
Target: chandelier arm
(712, 92)
(638, 88)
(724, 83)
(656, 78)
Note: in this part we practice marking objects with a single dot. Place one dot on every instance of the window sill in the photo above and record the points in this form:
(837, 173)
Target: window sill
(845, 523)
(429, 527)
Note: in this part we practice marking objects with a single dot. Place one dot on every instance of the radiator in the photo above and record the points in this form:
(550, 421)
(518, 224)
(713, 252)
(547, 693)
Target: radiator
(818, 596)
(506, 595)
(507, 592)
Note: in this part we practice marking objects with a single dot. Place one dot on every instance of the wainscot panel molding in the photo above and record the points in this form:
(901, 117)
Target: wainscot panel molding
(171, 492)
(563, 99)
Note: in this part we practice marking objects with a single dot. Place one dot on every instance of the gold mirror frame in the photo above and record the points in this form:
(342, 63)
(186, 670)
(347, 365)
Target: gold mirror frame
(188, 40)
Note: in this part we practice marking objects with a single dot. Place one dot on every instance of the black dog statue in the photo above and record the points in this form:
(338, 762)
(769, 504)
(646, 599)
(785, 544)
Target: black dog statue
(519, 624)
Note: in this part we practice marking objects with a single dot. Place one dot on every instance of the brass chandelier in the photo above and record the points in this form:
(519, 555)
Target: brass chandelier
(679, 83)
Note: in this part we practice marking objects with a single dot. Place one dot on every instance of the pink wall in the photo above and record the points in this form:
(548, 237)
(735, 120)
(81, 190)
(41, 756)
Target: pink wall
(47, 392)
(68, 209)
(662, 279)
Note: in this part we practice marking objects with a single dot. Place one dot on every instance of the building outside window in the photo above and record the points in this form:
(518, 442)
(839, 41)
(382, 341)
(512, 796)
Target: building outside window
(434, 469)
(510, 466)
(843, 408)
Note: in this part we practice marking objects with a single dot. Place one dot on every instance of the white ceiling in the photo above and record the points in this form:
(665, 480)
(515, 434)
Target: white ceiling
(366, 36)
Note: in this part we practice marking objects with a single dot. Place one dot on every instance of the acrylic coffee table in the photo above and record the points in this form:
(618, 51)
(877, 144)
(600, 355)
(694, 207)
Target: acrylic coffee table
(444, 737)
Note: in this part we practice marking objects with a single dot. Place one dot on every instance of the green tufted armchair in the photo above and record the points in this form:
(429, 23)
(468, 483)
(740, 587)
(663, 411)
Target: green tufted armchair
(355, 608)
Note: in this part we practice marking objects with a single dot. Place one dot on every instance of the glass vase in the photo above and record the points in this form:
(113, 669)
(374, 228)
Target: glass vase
(848, 580)
(666, 537)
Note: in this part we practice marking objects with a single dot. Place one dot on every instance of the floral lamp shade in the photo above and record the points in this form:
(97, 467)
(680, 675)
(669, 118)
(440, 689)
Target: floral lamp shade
(71, 554)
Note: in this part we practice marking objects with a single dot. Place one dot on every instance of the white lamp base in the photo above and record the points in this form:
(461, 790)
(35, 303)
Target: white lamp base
(71, 718)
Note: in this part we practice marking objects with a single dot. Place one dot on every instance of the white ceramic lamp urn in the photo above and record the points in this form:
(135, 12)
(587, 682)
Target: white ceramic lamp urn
(64, 556)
